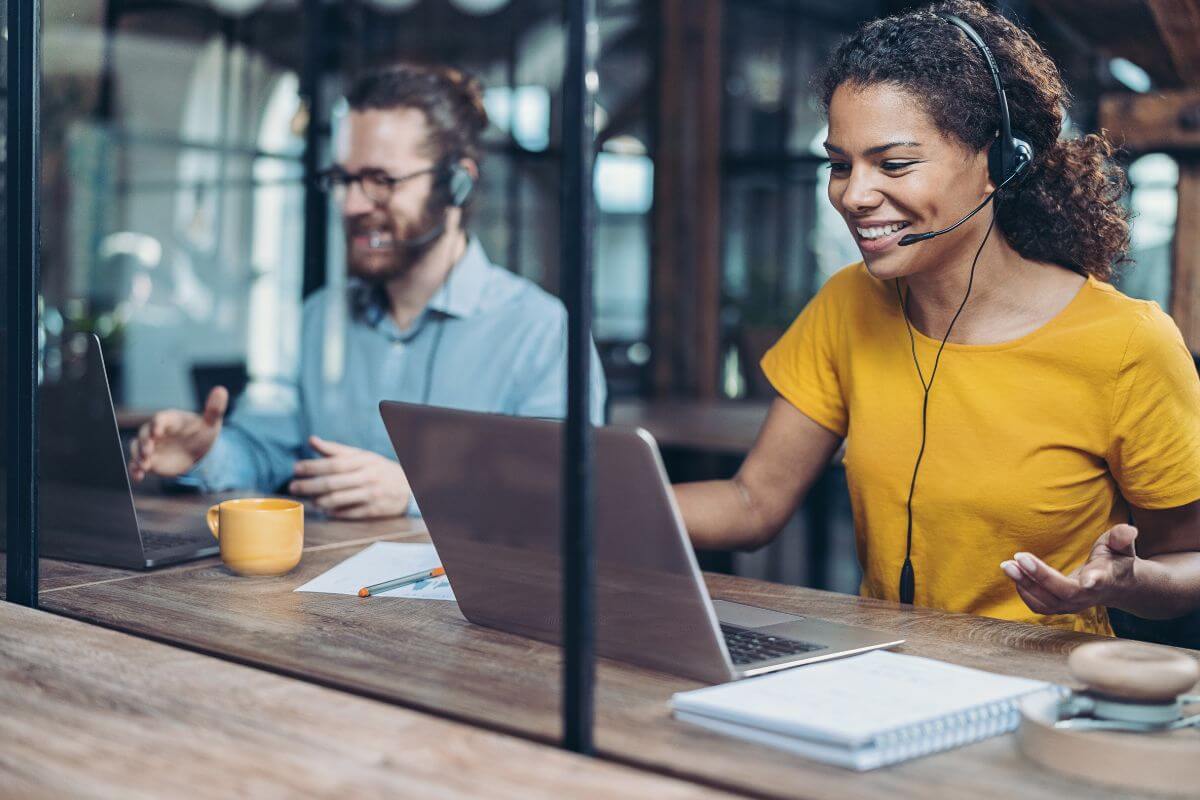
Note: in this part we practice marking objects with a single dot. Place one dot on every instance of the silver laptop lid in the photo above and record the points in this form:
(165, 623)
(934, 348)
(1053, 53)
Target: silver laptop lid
(489, 489)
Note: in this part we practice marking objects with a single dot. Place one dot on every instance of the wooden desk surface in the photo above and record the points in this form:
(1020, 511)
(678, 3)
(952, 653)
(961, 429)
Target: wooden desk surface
(318, 533)
(716, 426)
(90, 712)
(423, 654)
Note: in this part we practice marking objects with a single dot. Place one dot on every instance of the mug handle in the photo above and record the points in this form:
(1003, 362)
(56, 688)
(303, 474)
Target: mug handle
(213, 518)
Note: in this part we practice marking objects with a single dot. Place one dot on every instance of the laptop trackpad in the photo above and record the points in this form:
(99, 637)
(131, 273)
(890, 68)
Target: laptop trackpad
(750, 616)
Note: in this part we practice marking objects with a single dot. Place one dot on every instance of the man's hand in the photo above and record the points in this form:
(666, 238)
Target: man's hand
(1100, 581)
(349, 483)
(173, 441)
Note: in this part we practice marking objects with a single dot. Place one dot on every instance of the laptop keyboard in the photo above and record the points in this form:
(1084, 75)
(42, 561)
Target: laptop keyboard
(747, 646)
(158, 540)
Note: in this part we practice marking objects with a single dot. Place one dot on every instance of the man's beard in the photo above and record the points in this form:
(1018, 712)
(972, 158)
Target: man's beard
(393, 253)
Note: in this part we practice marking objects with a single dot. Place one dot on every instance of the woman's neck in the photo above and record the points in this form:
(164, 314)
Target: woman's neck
(1010, 295)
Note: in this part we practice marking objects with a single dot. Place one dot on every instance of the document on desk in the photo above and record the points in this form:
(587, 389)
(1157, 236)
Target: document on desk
(381, 562)
(864, 711)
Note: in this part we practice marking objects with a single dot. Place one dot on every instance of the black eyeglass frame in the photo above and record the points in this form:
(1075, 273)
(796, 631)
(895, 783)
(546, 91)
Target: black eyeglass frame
(337, 182)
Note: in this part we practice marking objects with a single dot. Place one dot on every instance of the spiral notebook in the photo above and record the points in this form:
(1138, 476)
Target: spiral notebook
(862, 712)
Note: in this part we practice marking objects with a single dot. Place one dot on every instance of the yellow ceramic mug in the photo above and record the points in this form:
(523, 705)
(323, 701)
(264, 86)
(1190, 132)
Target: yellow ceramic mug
(259, 536)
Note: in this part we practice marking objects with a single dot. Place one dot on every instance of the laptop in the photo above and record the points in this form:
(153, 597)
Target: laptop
(86, 505)
(489, 489)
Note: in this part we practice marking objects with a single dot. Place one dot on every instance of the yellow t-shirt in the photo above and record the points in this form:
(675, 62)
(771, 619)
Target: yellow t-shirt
(1034, 444)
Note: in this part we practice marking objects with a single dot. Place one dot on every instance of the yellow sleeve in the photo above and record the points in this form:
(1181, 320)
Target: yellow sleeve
(1155, 444)
(802, 365)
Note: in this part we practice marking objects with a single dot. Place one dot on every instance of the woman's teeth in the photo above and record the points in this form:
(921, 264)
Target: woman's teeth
(880, 232)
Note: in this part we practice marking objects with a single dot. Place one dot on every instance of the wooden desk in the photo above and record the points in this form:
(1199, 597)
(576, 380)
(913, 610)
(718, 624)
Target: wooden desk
(423, 654)
(319, 533)
(95, 713)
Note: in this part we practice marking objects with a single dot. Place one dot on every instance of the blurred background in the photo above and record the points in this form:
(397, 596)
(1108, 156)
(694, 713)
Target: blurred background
(178, 224)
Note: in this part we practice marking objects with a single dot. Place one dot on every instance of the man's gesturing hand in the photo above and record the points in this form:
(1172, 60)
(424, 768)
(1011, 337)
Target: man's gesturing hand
(173, 441)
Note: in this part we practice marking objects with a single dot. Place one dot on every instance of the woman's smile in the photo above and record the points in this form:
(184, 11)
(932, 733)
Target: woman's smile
(878, 236)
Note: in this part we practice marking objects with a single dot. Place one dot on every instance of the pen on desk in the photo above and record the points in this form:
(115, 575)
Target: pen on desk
(396, 583)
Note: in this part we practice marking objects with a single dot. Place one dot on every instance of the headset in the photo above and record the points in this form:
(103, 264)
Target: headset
(1009, 157)
(456, 184)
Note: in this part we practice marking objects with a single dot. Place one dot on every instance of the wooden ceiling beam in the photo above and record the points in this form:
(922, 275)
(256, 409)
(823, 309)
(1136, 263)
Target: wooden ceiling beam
(1179, 25)
(1142, 123)
(1118, 29)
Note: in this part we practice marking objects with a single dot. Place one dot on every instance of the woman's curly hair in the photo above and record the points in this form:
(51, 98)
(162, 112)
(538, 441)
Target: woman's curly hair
(1067, 209)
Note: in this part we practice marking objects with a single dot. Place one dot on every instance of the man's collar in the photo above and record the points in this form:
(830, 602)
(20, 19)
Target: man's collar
(460, 295)
(462, 292)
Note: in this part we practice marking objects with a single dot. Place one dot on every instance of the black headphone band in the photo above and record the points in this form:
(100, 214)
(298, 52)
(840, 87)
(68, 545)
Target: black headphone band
(1008, 155)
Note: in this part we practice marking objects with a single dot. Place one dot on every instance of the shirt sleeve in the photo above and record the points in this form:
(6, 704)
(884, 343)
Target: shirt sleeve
(803, 365)
(1154, 453)
(256, 450)
(543, 386)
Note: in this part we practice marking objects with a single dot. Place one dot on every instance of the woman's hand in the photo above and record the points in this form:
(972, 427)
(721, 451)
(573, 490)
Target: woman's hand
(1101, 580)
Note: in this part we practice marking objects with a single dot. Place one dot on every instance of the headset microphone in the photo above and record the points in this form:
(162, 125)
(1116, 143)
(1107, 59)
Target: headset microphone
(424, 239)
(913, 238)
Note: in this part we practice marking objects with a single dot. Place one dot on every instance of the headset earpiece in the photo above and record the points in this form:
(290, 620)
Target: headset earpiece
(1001, 165)
(459, 185)
(1022, 152)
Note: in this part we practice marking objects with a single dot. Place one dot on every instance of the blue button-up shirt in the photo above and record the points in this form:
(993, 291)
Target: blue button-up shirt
(488, 341)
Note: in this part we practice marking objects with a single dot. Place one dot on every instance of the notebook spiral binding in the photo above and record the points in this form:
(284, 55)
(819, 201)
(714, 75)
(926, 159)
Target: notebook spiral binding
(952, 731)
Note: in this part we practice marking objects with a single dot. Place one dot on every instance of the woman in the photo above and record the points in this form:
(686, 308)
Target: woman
(1005, 410)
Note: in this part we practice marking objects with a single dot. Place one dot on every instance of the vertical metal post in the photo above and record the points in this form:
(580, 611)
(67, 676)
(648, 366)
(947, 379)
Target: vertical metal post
(316, 203)
(516, 163)
(104, 101)
(578, 137)
(21, 267)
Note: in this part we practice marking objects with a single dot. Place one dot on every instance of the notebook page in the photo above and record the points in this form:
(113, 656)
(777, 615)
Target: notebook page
(850, 701)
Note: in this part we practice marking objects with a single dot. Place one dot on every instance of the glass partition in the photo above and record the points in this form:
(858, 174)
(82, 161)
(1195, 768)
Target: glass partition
(185, 150)
(1153, 199)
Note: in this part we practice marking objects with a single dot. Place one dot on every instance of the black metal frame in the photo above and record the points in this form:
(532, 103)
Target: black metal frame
(578, 135)
(317, 24)
(21, 256)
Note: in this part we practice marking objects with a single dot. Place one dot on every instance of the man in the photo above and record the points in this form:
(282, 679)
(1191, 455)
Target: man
(426, 318)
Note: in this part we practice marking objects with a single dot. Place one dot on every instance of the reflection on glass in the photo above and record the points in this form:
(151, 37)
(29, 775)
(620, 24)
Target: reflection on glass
(525, 110)
(781, 238)
(1153, 200)
(172, 175)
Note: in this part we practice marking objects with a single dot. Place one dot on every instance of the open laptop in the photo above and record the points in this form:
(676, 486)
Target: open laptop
(86, 506)
(489, 488)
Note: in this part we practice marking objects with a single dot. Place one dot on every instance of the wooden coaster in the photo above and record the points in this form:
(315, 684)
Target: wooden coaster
(1166, 762)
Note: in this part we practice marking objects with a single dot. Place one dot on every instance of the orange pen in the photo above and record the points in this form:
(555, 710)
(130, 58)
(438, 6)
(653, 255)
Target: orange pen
(396, 583)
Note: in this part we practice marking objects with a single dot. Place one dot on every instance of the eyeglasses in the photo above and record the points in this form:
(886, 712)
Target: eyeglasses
(376, 184)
